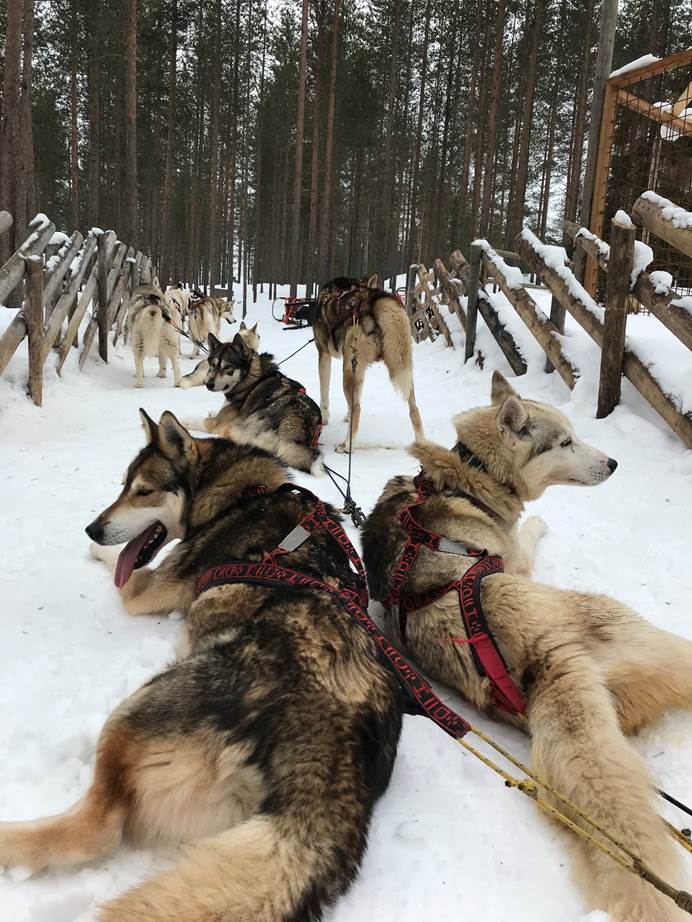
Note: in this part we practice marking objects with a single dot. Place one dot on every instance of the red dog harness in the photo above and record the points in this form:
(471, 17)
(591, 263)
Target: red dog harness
(486, 654)
(271, 574)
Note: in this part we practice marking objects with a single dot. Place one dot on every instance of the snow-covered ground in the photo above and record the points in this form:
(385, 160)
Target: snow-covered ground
(448, 841)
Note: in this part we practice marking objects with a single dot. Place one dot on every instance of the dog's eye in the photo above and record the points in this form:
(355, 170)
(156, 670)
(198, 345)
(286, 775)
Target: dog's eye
(565, 443)
(144, 492)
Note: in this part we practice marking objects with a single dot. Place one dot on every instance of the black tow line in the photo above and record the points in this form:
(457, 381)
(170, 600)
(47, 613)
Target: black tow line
(305, 345)
(193, 339)
(350, 508)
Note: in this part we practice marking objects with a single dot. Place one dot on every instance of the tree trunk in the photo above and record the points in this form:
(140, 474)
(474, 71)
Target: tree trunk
(232, 147)
(491, 121)
(94, 90)
(534, 28)
(25, 177)
(167, 248)
(298, 174)
(74, 117)
(9, 123)
(131, 192)
(413, 249)
(214, 153)
(326, 211)
(577, 142)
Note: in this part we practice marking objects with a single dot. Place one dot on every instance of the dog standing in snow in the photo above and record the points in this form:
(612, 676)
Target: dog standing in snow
(151, 334)
(179, 298)
(205, 316)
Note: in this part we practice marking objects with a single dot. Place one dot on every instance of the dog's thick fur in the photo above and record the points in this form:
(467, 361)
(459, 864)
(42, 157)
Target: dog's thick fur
(179, 298)
(205, 316)
(201, 370)
(591, 669)
(150, 334)
(263, 407)
(267, 744)
(383, 333)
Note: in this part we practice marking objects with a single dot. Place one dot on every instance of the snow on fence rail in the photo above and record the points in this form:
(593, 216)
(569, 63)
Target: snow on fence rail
(624, 261)
(62, 276)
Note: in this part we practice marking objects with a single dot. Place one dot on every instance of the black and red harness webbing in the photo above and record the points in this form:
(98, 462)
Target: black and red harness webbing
(273, 575)
(486, 655)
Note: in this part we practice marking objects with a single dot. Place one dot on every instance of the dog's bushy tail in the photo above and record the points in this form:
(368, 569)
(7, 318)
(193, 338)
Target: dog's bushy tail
(396, 336)
(153, 328)
(260, 871)
(578, 747)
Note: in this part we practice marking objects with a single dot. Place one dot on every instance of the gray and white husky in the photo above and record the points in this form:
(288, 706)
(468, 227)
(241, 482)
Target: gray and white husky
(150, 333)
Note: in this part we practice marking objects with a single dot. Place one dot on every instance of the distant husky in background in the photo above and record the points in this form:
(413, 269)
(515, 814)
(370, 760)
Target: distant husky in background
(205, 315)
(149, 332)
(358, 315)
(179, 298)
(590, 669)
(263, 407)
(199, 375)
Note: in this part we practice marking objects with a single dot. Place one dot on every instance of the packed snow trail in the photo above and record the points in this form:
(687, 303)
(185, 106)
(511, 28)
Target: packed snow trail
(448, 841)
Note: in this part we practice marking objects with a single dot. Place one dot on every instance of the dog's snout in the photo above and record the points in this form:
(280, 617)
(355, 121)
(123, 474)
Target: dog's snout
(95, 532)
(210, 385)
(612, 464)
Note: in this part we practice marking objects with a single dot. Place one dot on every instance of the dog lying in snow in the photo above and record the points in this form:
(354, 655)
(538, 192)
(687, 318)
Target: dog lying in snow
(590, 670)
(267, 744)
(199, 374)
(150, 334)
(263, 406)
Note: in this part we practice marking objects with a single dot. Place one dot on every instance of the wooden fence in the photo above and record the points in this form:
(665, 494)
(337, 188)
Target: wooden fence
(429, 291)
(61, 278)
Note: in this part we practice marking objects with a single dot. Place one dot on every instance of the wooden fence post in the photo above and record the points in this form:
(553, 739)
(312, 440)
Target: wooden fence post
(34, 326)
(615, 323)
(557, 316)
(102, 288)
(410, 289)
(472, 307)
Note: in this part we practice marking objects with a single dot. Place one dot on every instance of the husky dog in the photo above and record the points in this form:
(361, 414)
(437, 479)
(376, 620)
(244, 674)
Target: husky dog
(199, 375)
(179, 298)
(263, 407)
(268, 743)
(203, 319)
(381, 332)
(205, 316)
(151, 335)
(591, 670)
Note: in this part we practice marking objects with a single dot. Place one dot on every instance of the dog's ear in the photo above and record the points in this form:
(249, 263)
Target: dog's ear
(213, 342)
(243, 325)
(241, 345)
(501, 389)
(175, 441)
(511, 418)
(253, 329)
(151, 430)
(373, 281)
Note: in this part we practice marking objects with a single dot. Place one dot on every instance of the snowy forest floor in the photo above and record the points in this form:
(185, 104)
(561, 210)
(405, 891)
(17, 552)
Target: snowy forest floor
(448, 840)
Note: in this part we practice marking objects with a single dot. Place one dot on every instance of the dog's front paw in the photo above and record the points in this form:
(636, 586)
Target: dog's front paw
(107, 554)
(325, 417)
(139, 383)
(535, 526)
(342, 448)
(161, 374)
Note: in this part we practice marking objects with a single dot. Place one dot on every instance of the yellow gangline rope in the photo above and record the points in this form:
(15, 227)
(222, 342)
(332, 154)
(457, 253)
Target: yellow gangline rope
(623, 856)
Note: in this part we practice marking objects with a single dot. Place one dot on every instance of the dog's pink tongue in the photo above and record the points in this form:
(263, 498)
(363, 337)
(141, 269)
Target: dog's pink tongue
(129, 554)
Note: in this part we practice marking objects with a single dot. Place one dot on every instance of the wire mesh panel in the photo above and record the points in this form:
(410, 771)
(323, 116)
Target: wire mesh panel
(651, 148)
